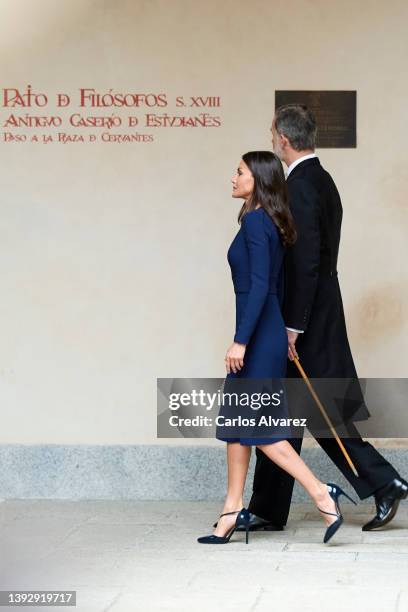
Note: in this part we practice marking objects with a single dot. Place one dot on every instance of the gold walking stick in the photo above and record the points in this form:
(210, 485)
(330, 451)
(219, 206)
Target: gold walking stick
(322, 410)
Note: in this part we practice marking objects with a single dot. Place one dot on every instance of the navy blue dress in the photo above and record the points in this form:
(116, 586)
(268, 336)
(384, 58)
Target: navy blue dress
(256, 260)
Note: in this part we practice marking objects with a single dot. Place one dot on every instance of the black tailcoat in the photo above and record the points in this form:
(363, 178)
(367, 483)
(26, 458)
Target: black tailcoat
(313, 304)
(313, 301)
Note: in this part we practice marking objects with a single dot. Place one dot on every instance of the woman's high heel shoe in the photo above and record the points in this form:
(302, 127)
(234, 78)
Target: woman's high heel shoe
(334, 491)
(242, 519)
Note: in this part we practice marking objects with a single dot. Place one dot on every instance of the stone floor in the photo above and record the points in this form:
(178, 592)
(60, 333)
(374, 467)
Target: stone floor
(125, 556)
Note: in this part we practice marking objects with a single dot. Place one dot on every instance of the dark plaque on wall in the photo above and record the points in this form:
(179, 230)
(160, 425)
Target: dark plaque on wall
(335, 113)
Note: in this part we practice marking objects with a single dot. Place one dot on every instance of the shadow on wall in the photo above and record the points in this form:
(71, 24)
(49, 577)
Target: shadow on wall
(378, 314)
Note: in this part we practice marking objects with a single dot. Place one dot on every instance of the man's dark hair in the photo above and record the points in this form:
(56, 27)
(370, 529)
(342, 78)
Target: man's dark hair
(297, 123)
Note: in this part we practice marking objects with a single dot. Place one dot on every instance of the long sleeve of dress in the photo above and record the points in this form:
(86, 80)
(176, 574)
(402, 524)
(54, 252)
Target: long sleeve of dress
(258, 244)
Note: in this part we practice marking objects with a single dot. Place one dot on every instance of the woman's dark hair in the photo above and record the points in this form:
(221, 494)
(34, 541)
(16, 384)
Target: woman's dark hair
(270, 192)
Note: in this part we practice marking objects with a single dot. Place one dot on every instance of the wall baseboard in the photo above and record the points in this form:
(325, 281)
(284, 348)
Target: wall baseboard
(139, 472)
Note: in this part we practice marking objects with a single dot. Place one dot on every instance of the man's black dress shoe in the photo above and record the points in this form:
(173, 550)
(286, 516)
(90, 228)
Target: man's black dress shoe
(256, 523)
(387, 500)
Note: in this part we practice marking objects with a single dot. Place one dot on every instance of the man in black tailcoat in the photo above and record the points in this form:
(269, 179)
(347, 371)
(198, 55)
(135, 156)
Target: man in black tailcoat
(314, 317)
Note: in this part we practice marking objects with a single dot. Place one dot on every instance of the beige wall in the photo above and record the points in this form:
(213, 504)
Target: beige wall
(113, 256)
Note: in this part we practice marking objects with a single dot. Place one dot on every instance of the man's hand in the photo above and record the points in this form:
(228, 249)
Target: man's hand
(234, 359)
(292, 337)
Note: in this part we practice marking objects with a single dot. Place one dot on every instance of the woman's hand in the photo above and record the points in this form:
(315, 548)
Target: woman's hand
(234, 359)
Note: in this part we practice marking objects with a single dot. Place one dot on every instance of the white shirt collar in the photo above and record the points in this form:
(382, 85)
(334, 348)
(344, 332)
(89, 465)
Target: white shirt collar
(297, 161)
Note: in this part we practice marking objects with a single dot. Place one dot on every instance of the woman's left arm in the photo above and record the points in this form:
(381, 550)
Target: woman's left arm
(259, 264)
(257, 241)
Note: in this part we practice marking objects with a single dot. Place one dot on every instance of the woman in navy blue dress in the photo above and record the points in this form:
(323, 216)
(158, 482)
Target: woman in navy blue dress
(260, 346)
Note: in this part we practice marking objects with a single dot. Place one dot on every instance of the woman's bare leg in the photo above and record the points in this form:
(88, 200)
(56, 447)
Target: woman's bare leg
(238, 457)
(284, 455)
